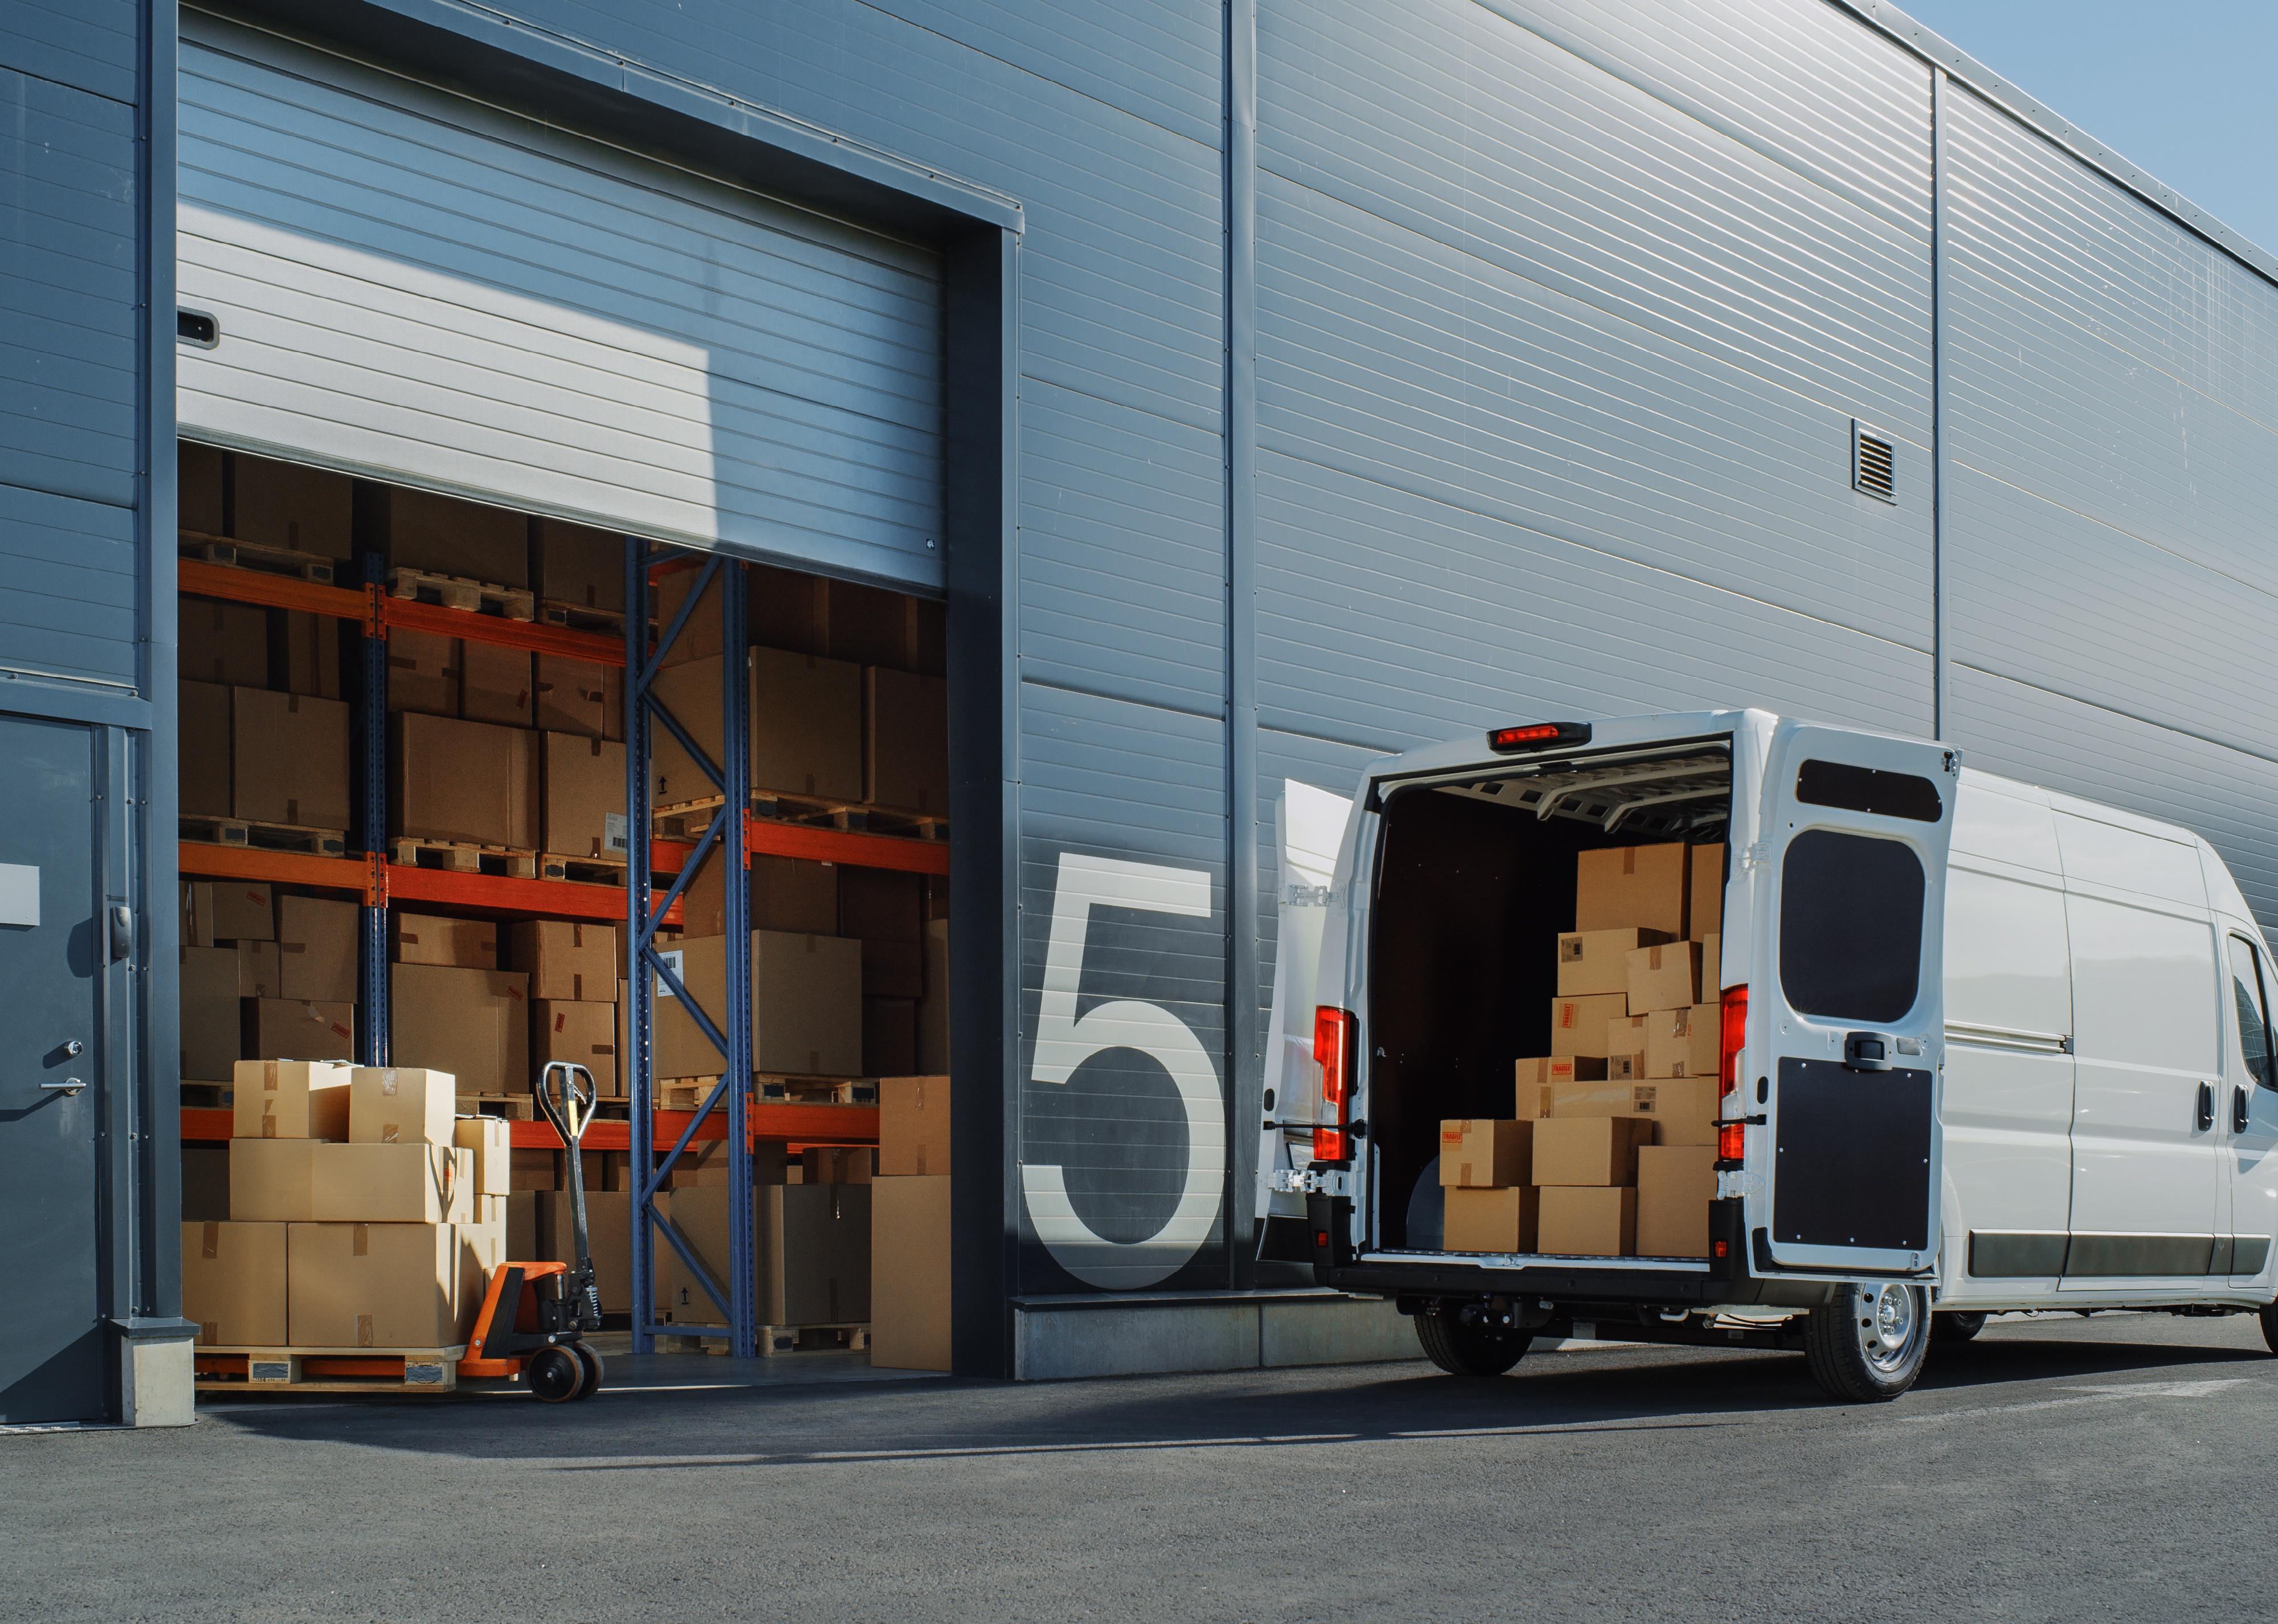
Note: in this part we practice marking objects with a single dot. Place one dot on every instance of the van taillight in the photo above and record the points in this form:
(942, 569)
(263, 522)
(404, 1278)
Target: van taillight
(1333, 1039)
(1733, 1033)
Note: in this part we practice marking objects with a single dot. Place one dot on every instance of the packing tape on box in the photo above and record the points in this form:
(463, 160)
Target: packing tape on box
(210, 1241)
(363, 1330)
(269, 1079)
(210, 1332)
(388, 1133)
(388, 1082)
(360, 1240)
(1629, 859)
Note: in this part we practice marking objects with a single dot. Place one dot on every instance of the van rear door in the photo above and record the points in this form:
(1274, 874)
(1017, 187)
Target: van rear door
(1847, 1035)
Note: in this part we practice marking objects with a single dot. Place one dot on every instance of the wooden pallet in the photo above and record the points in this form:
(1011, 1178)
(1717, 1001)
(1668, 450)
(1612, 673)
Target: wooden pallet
(578, 618)
(685, 820)
(328, 1370)
(608, 870)
(264, 837)
(234, 554)
(513, 1107)
(460, 592)
(462, 857)
(781, 1341)
(208, 1096)
(687, 1093)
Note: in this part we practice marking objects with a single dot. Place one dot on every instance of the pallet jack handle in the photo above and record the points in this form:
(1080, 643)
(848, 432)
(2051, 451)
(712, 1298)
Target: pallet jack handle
(565, 1094)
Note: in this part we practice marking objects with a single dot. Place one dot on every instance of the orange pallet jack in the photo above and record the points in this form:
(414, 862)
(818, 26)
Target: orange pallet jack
(535, 1316)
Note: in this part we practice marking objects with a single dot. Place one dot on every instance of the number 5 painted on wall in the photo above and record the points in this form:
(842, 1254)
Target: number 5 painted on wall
(1064, 1043)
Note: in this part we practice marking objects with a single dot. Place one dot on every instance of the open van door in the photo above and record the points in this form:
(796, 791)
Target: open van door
(1846, 1050)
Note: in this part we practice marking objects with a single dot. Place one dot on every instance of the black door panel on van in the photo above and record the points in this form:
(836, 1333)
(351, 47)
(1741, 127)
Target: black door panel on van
(1852, 1157)
(1850, 918)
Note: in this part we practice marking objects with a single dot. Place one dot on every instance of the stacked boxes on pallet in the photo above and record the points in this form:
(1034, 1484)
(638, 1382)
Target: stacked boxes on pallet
(909, 1236)
(264, 975)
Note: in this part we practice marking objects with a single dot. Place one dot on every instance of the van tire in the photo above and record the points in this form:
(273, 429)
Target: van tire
(1866, 1345)
(1469, 1349)
(2269, 1318)
(1955, 1329)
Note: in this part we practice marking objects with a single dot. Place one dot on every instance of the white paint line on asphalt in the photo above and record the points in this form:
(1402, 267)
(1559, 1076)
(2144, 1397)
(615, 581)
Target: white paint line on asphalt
(2119, 1394)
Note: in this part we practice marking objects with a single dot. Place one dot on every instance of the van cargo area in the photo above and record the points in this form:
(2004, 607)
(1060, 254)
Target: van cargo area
(1533, 929)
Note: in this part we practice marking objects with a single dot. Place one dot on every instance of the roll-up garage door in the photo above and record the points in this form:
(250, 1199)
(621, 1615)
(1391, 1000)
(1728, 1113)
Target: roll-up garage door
(423, 289)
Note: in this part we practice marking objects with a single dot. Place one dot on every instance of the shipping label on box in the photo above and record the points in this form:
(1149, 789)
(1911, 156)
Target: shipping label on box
(1683, 1043)
(1676, 1184)
(1626, 887)
(372, 1285)
(234, 1284)
(1589, 1150)
(401, 1105)
(1504, 1220)
(1625, 1037)
(1537, 1076)
(1597, 962)
(458, 944)
(1582, 1222)
(394, 1182)
(1481, 1152)
(1577, 1025)
(289, 1099)
(1684, 1110)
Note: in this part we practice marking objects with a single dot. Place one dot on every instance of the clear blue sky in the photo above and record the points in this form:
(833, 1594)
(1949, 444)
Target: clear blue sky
(2186, 90)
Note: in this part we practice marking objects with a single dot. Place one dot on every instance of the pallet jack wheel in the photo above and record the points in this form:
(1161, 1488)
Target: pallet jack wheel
(556, 1375)
(594, 1369)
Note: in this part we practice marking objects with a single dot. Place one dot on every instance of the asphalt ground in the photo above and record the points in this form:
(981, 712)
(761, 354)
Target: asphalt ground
(2057, 1469)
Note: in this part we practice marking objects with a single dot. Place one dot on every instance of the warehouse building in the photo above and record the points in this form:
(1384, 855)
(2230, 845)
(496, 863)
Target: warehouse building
(1239, 390)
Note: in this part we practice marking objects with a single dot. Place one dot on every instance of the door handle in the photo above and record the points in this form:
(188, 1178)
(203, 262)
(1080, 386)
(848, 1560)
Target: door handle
(1866, 1051)
(69, 1085)
(2237, 1110)
(2206, 1106)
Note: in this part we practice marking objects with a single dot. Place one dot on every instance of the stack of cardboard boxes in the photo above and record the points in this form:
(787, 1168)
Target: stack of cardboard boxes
(810, 1237)
(264, 975)
(1611, 1150)
(363, 1214)
(909, 1236)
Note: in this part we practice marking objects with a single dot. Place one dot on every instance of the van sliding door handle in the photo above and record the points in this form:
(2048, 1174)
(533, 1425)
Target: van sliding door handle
(2237, 1108)
(2206, 1106)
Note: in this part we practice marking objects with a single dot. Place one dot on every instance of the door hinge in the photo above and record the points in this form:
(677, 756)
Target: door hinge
(1310, 1180)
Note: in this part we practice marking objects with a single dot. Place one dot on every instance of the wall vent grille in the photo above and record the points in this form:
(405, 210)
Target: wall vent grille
(1873, 465)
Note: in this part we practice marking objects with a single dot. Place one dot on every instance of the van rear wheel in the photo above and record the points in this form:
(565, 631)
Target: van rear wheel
(1469, 1347)
(2269, 1318)
(1866, 1346)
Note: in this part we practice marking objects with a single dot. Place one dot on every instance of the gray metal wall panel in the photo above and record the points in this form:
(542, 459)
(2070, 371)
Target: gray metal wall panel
(1386, 618)
(412, 284)
(88, 44)
(2061, 743)
(1108, 778)
(73, 583)
(67, 278)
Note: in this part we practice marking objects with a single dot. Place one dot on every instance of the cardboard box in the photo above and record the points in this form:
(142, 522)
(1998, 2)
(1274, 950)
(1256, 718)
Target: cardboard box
(1712, 966)
(423, 672)
(394, 1182)
(579, 697)
(905, 740)
(1485, 1154)
(1577, 1025)
(1684, 1110)
(1594, 963)
(210, 1038)
(287, 505)
(461, 944)
(1676, 1184)
(234, 1284)
(372, 1285)
(839, 1164)
(1625, 1037)
(198, 487)
(1499, 1220)
(1539, 1076)
(909, 1273)
(317, 949)
(195, 925)
(806, 727)
(885, 910)
(871, 625)
(812, 1243)
(272, 1181)
(608, 1240)
(445, 536)
(289, 759)
(1624, 1068)
(933, 1008)
(482, 1248)
(605, 1169)
(220, 642)
(298, 1029)
(787, 894)
(203, 713)
(1625, 886)
(257, 969)
(467, 781)
(1705, 911)
(583, 796)
(889, 1037)
(474, 1024)
(535, 1169)
(401, 1105)
(912, 1127)
(789, 611)
(243, 911)
(289, 1099)
(1585, 1221)
(564, 959)
(521, 1229)
(578, 564)
(312, 654)
(583, 1033)
(1666, 976)
(1609, 1097)
(205, 1183)
(1683, 1043)
(496, 685)
(806, 1006)
(489, 1139)
(1589, 1150)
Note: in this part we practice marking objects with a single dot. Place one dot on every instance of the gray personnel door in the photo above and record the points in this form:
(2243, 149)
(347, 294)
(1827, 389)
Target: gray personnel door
(51, 961)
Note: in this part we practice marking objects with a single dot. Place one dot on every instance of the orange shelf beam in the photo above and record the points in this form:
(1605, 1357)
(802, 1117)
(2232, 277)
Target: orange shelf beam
(206, 1124)
(206, 580)
(537, 897)
(535, 635)
(208, 861)
(764, 838)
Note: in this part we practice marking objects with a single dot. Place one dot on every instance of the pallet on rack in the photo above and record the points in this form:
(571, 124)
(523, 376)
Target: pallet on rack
(462, 857)
(512, 1108)
(781, 1341)
(256, 836)
(688, 1093)
(328, 1370)
(208, 1096)
(459, 592)
(609, 870)
(685, 820)
(232, 554)
(579, 618)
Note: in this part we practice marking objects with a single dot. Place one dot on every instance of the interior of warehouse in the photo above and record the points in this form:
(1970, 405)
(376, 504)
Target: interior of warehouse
(409, 852)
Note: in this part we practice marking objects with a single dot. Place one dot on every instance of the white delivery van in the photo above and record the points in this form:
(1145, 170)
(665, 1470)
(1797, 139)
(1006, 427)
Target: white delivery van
(1985, 1046)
